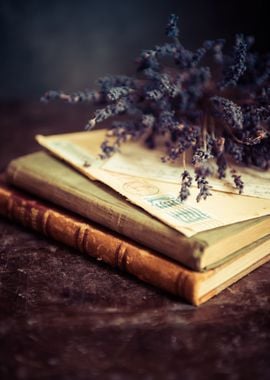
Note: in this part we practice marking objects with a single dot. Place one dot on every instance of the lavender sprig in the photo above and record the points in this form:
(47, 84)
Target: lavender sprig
(185, 185)
(204, 188)
(172, 30)
(89, 96)
(238, 65)
(239, 184)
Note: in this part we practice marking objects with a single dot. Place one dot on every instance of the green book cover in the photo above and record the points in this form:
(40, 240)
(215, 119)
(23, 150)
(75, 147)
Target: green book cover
(49, 178)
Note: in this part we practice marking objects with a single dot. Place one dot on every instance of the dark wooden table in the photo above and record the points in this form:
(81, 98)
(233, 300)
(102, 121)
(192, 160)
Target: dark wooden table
(65, 316)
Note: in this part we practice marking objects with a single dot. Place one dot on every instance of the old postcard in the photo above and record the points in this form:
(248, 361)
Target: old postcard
(139, 175)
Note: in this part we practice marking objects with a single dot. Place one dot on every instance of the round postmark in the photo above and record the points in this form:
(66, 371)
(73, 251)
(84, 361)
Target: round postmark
(140, 187)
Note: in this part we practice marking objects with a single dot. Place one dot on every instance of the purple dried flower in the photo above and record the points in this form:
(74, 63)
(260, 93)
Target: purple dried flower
(185, 185)
(204, 188)
(173, 95)
(239, 184)
(227, 110)
(172, 30)
(54, 95)
(148, 120)
(115, 93)
(218, 51)
(238, 66)
(154, 94)
(200, 155)
(107, 149)
(111, 110)
(110, 81)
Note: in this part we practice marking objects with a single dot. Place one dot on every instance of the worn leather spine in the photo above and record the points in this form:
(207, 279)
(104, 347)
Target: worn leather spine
(99, 243)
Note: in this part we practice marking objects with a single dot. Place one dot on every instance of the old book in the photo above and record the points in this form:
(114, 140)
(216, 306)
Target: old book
(121, 253)
(43, 175)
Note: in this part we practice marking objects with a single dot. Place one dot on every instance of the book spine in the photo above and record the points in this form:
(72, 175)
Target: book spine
(75, 232)
(110, 214)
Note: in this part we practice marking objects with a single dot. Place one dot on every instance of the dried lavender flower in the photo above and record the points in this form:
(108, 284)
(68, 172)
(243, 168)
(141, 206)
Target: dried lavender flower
(185, 185)
(219, 112)
(238, 65)
(227, 110)
(204, 188)
(172, 29)
(239, 184)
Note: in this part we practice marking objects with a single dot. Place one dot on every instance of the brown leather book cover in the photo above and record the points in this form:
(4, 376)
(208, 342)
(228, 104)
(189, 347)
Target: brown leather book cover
(122, 253)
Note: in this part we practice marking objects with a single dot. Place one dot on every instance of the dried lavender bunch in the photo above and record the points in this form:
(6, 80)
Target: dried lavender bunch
(219, 111)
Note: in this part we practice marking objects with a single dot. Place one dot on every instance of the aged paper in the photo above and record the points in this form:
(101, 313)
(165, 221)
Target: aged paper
(146, 163)
(138, 174)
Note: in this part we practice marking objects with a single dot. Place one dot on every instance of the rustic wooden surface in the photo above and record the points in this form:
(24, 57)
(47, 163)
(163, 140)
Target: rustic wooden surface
(65, 316)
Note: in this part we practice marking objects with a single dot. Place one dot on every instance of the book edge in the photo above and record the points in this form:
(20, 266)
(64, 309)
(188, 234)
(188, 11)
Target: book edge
(193, 248)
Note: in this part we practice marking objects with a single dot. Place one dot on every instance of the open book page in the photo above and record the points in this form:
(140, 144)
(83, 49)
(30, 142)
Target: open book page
(146, 163)
(138, 174)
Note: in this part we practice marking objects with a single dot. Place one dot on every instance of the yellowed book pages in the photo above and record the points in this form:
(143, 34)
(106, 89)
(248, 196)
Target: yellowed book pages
(158, 197)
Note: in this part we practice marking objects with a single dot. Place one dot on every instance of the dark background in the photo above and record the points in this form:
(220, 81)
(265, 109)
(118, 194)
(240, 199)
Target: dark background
(68, 44)
(62, 315)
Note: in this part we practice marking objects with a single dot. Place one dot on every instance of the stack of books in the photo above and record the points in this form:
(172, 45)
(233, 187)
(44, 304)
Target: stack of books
(47, 195)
